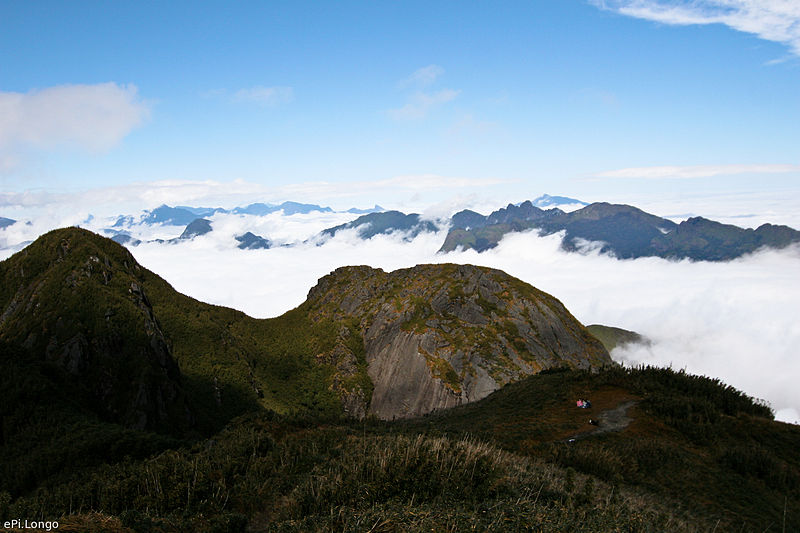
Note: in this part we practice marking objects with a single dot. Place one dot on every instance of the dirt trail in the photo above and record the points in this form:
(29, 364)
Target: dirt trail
(615, 419)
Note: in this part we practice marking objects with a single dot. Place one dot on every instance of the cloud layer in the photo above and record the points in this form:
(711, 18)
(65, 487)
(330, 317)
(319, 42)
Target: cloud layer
(94, 118)
(771, 20)
(265, 96)
(735, 321)
(147, 195)
(695, 171)
(424, 100)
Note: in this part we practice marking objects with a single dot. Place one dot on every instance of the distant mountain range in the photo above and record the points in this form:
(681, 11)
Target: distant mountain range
(356, 211)
(622, 230)
(183, 215)
(546, 201)
(195, 228)
(251, 241)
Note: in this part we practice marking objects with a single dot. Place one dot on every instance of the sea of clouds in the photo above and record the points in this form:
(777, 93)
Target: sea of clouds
(736, 321)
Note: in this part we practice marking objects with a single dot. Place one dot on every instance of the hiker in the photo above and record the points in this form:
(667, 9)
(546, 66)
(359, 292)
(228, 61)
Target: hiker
(594, 422)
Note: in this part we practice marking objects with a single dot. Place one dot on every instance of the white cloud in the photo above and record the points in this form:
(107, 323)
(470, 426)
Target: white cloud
(695, 171)
(88, 117)
(265, 96)
(771, 20)
(133, 197)
(423, 77)
(747, 209)
(8, 162)
(421, 182)
(455, 203)
(421, 103)
(788, 415)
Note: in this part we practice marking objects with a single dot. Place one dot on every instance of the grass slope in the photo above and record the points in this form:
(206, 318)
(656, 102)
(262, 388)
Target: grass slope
(696, 455)
(693, 440)
(612, 337)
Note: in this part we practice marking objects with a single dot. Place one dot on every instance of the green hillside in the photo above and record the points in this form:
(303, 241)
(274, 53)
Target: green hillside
(690, 455)
(703, 447)
(612, 337)
(130, 407)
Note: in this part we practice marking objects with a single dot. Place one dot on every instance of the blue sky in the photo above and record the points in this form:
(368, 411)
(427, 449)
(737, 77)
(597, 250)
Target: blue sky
(362, 102)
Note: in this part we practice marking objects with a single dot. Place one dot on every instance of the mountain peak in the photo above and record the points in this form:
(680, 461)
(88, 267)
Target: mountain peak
(546, 201)
(76, 300)
(197, 227)
(441, 335)
(385, 222)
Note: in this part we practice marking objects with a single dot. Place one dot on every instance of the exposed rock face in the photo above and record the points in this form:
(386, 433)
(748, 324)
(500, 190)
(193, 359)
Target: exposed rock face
(436, 336)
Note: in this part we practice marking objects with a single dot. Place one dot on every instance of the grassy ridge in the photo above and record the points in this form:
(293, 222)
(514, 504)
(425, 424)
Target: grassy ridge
(256, 363)
(84, 308)
(283, 475)
(691, 437)
(697, 455)
(612, 337)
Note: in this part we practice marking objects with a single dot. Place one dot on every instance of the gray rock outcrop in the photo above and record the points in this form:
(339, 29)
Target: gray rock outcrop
(436, 336)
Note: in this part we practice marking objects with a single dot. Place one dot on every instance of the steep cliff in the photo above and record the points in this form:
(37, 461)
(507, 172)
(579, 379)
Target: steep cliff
(436, 336)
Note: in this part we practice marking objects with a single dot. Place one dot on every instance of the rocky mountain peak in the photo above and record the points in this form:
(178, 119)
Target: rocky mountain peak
(436, 336)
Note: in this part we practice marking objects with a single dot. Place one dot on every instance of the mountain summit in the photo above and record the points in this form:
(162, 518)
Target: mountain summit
(435, 336)
(77, 304)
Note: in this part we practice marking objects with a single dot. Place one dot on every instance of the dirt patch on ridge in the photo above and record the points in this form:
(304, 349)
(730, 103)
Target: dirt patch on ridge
(608, 420)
